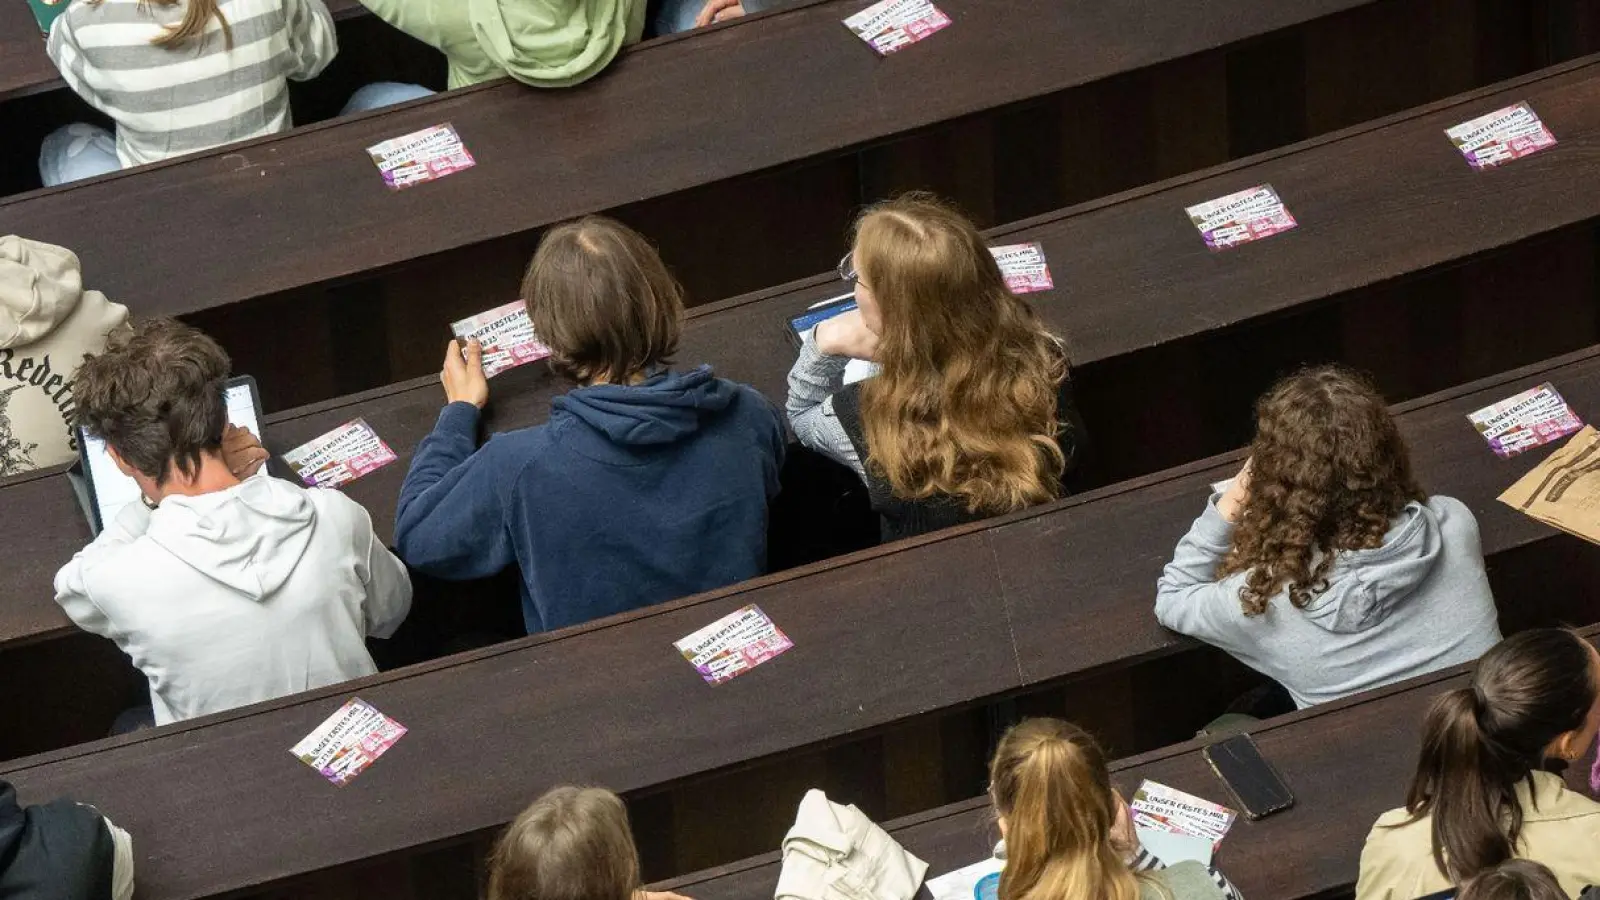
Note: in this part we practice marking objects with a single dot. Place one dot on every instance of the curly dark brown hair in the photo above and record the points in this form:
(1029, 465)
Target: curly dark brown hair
(1328, 472)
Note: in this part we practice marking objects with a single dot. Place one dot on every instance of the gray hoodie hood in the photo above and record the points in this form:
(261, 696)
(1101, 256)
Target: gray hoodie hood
(1364, 586)
(249, 538)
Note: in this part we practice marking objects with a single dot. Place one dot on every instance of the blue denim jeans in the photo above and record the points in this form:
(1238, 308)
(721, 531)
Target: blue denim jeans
(77, 151)
(382, 93)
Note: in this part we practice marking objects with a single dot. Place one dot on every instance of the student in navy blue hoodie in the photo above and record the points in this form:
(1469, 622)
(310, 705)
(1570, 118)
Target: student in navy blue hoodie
(645, 485)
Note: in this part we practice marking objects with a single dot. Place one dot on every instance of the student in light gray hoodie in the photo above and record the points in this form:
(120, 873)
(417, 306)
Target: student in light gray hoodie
(1323, 565)
(225, 586)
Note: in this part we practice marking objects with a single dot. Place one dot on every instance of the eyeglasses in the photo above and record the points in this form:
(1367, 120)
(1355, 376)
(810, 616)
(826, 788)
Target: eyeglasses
(847, 269)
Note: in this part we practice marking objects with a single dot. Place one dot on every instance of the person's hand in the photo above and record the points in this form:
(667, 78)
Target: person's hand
(847, 334)
(719, 11)
(1124, 840)
(462, 376)
(242, 452)
(1236, 496)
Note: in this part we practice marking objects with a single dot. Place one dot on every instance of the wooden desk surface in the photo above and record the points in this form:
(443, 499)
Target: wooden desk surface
(1374, 203)
(880, 636)
(792, 85)
(1346, 763)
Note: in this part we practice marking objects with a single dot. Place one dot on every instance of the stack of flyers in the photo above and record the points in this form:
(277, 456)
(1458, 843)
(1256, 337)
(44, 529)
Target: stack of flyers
(733, 645)
(1024, 267)
(1161, 808)
(892, 24)
(421, 156)
(342, 455)
(1501, 136)
(506, 335)
(348, 741)
(1248, 215)
(1530, 419)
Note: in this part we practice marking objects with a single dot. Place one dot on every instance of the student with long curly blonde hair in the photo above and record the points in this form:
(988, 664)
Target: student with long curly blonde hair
(1067, 831)
(969, 414)
(1324, 565)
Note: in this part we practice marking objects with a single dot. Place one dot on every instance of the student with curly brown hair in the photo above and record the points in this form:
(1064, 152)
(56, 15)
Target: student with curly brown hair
(1324, 565)
(970, 413)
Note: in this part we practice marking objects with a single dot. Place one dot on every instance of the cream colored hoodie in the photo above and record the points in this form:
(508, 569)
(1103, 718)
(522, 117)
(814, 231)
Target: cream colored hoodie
(47, 323)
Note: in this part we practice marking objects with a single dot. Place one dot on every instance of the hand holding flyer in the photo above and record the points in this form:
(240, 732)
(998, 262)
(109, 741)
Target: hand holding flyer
(506, 335)
(340, 456)
(893, 24)
(733, 645)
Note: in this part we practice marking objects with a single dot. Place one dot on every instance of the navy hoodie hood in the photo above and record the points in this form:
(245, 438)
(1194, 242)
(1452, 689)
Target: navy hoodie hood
(665, 408)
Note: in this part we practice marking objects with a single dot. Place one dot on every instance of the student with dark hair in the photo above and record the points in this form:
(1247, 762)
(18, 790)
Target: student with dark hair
(225, 586)
(570, 844)
(646, 484)
(970, 413)
(1483, 793)
(1066, 828)
(1324, 565)
(61, 851)
(1514, 879)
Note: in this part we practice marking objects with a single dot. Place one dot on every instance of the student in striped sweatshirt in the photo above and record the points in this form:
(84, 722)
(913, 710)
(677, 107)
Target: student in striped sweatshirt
(180, 76)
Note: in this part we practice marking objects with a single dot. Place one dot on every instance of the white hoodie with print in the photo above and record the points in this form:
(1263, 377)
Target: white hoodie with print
(47, 323)
(241, 595)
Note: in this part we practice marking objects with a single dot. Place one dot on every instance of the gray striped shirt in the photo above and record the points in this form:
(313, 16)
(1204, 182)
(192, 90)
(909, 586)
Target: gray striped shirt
(197, 94)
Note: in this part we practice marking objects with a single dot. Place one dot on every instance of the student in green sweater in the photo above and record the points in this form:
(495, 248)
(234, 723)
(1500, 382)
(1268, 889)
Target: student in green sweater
(544, 43)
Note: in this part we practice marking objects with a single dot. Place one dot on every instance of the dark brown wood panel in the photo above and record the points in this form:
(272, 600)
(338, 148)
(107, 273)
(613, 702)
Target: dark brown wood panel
(1374, 203)
(881, 636)
(792, 85)
(1346, 762)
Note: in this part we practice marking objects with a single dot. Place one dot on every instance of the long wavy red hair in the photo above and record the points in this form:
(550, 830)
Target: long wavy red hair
(965, 403)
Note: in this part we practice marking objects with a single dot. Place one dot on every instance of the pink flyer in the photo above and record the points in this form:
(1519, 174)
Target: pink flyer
(340, 456)
(1239, 218)
(420, 156)
(733, 645)
(893, 24)
(1531, 419)
(1501, 136)
(1024, 267)
(349, 741)
(506, 335)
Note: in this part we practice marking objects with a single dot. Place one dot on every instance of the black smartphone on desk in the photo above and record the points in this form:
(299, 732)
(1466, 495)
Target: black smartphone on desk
(1252, 780)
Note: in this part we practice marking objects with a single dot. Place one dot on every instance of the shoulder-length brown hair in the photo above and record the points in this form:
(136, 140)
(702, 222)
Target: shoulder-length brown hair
(965, 403)
(1328, 472)
(602, 300)
(197, 14)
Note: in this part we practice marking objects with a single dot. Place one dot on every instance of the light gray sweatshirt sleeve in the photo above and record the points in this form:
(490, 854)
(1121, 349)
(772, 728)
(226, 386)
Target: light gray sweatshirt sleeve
(1189, 598)
(813, 381)
(754, 6)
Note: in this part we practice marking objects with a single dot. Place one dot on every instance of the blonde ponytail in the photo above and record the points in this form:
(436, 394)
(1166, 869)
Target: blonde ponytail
(196, 16)
(1050, 783)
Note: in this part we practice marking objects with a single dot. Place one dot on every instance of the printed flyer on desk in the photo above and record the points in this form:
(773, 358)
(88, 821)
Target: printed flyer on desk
(1248, 215)
(733, 645)
(1531, 419)
(1024, 267)
(349, 741)
(340, 456)
(1161, 808)
(893, 24)
(1501, 136)
(420, 156)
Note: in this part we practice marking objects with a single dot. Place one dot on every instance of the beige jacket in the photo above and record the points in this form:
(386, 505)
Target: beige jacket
(1561, 829)
(47, 323)
(835, 852)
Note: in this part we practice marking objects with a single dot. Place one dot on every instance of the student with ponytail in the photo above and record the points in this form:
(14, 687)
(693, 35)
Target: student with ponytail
(1066, 830)
(970, 413)
(1483, 792)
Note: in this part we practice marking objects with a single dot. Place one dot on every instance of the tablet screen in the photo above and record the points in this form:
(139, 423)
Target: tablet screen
(114, 490)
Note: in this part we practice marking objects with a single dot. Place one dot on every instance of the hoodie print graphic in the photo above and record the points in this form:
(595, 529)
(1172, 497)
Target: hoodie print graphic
(15, 456)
